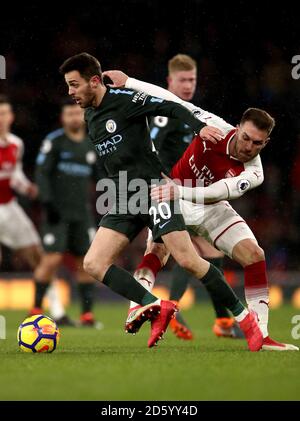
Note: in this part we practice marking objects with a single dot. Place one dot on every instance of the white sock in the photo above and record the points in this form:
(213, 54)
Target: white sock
(146, 278)
(56, 308)
(260, 304)
(242, 315)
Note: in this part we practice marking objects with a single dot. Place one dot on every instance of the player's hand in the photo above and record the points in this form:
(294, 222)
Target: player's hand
(211, 134)
(117, 77)
(32, 191)
(165, 192)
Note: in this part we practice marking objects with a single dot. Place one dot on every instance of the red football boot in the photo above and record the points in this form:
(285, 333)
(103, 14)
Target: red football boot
(253, 334)
(160, 323)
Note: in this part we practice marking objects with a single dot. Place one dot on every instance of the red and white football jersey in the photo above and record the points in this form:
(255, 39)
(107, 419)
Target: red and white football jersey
(207, 161)
(11, 173)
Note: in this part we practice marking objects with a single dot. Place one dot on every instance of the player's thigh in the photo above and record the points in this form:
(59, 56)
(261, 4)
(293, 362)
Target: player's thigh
(222, 226)
(17, 230)
(104, 250)
(205, 249)
(181, 248)
(247, 252)
(48, 266)
(31, 254)
(234, 235)
(80, 274)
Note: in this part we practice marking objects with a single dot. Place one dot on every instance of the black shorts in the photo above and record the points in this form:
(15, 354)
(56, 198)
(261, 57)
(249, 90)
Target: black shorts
(162, 218)
(74, 237)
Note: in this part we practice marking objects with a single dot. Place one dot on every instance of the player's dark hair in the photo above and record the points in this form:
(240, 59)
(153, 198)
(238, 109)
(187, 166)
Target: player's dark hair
(260, 118)
(86, 64)
(4, 99)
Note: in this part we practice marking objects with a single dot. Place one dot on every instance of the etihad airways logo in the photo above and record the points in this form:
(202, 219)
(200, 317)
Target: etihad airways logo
(109, 145)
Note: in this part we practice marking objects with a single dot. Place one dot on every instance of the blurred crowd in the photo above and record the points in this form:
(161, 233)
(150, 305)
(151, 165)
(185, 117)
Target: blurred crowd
(243, 58)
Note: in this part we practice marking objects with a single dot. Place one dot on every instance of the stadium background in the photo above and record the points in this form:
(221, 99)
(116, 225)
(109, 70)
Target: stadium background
(244, 52)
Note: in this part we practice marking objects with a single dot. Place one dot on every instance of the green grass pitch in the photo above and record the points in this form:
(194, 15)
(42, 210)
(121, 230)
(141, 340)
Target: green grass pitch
(110, 365)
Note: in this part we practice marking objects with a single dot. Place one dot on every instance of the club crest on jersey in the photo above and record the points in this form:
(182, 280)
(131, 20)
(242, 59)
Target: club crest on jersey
(243, 185)
(111, 126)
(161, 121)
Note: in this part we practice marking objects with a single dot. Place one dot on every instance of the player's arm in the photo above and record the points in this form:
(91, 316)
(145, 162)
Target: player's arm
(225, 189)
(121, 79)
(205, 116)
(141, 104)
(19, 182)
(45, 164)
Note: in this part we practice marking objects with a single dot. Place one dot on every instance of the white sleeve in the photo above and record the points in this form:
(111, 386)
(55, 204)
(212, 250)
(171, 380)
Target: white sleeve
(19, 181)
(227, 188)
(206, 117)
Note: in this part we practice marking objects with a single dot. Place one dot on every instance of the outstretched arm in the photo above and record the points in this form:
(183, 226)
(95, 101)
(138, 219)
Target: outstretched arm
(122, 79)
(225, 189)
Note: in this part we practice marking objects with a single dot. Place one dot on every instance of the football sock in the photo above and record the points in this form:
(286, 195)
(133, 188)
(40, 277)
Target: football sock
(121, 282)
(56, 309)
(220, 310)
(257, 294)
(86, 292)
(146, 272)
(40, 291)
(179, 283)
(219, 289)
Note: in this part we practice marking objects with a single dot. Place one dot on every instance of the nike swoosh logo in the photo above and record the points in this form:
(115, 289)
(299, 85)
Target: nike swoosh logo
(161, 226)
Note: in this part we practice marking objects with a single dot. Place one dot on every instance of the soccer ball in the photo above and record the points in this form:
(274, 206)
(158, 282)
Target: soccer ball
(38, 334)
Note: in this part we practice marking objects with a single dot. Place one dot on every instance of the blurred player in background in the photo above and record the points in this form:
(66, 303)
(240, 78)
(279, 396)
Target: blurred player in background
(171, 137)
(65, 167)
(17, 232)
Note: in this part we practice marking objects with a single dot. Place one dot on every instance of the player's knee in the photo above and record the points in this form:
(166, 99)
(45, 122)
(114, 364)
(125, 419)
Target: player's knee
(47, 267)
(160, 252)
(255, 254)
(258, 254)
(94, 267)
(89, 265)
(185, 262)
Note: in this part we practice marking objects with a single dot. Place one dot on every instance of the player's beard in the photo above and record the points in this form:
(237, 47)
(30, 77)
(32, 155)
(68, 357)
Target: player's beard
(75, 129)
(87, 99)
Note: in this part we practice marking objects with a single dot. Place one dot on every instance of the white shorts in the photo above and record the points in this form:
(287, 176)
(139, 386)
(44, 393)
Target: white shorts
(218, 223)
(16, 229)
